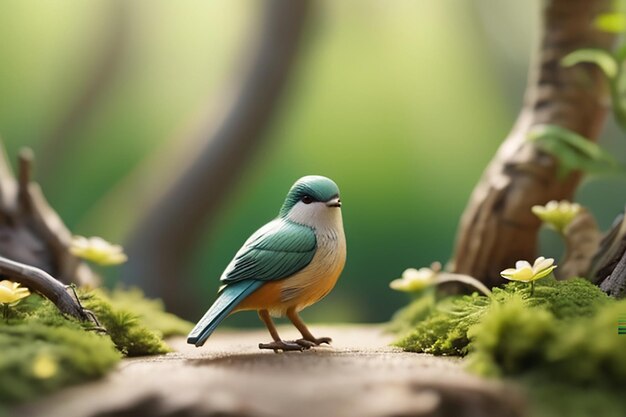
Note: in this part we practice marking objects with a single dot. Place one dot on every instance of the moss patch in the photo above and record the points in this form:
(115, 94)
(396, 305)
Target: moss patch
(43, 351)
(407, 318)
(123, 326)
(37, 333)
(444, 330)
(562, 343)
(151, 312)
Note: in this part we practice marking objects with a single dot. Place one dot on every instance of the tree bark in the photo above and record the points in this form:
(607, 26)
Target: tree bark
(30, 230)
(39, 281)
(161, 244)
(582, 240)
(497, 227)
(608, 268)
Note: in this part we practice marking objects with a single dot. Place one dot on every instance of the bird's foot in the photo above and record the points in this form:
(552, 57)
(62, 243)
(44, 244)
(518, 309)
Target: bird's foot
(315, 341)
(284, 346)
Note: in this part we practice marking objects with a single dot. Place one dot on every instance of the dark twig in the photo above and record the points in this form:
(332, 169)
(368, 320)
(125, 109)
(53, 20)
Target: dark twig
(24, 175)
(40, 281)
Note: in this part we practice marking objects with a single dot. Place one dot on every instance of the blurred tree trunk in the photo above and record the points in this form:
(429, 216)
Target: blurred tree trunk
(497, 227)
(57, 146)
(160, 246)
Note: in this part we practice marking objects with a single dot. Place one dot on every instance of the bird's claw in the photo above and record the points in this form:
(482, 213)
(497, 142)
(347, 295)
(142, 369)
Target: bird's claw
(317, 341)
(283, 345)
(307, 344)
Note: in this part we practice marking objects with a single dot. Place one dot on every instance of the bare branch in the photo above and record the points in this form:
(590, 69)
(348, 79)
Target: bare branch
(25, 171)
(41, 282)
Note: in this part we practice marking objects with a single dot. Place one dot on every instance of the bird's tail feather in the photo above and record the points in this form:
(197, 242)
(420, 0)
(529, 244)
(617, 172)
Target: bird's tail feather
(228, 299)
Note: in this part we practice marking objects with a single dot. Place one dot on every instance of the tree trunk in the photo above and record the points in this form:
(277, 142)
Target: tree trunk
(58, 143)
(160, 246)
(497, 227)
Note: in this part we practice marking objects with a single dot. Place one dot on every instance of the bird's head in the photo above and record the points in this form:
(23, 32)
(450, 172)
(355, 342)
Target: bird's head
(311, 200)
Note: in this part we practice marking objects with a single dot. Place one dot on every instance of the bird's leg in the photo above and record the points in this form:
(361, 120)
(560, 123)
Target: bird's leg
(307, 336)
(278, 343)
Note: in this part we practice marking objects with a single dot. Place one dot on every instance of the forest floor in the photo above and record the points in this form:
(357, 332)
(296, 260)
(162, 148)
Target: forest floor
(360, 375)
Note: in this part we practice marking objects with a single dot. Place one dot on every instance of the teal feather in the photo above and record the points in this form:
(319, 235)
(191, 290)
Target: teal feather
(227, 300)
(317, 187)
(276, 251)
(279, 249)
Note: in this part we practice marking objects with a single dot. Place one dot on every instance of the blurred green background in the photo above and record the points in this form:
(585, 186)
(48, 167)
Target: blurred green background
(402, 103)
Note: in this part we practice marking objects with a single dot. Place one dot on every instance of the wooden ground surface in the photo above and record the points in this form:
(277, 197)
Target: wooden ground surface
(359, 376)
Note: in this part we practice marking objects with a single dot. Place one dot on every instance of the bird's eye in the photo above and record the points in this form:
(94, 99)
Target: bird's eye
(307, 199)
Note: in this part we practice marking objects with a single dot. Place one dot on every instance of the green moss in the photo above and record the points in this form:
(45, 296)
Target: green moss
(510, 337)
(407, 318)
(549, 398)
(575, 297)
(77, 351)
(513, 338)
(444, 330)
(150, 312)
(562, 344)
(590, 350)
(124, 326)
(76, 355)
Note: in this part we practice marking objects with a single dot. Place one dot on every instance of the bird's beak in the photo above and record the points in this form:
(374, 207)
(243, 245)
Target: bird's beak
(335, 202)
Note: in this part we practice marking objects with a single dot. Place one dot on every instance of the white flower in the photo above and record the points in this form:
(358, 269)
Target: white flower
(97, 250)
(557, 214)
(526, 272)
(416, 279)
(11, 292)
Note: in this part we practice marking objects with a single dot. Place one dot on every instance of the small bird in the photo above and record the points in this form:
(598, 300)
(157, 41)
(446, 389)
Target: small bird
(287, 265)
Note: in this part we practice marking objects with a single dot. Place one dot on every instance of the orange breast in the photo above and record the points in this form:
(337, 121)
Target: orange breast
(266, 297)
(307, 286)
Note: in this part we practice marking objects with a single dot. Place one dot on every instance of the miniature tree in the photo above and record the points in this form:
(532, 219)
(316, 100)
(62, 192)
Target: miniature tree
(498, 227)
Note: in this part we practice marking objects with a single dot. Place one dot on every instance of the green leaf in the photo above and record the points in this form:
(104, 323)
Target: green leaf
(614, 22)
(600, 57)
(573, 151)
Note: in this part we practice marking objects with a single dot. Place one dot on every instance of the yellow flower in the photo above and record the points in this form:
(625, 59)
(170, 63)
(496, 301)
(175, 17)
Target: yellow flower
(97, 250)
(557, 214)
(526, 272)
(11, 292)
(415, 280)
(44, 366)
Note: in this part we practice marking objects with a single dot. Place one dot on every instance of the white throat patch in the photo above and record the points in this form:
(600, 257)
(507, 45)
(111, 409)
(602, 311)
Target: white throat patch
(317, 215)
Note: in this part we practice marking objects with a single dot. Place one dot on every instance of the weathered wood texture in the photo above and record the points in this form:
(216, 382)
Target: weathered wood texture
(360, 376)
(30, 230)
(41, 282)
(609, 264)
(497, 227)
(582, 240)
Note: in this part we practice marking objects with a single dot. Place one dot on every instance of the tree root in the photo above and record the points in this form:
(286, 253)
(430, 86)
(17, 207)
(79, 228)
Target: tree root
(44, 284)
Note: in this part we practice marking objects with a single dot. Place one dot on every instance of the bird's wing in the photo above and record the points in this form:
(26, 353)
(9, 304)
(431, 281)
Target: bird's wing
(277, 250)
